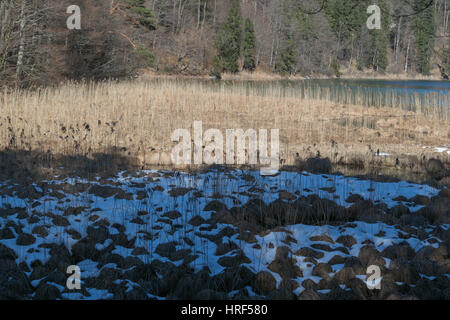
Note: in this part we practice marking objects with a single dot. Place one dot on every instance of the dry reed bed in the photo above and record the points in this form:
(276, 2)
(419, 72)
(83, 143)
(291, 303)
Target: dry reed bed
(139, 117)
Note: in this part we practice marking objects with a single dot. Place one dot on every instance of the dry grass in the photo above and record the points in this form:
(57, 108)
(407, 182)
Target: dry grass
(258, 75)
(139, 117)
(351, 73)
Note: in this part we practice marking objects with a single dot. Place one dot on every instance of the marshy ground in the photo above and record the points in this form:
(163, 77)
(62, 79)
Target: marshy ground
(224, 234)
(85, 181)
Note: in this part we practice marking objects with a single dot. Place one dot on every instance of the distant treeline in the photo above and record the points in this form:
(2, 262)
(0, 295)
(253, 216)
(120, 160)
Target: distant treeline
(197, 37)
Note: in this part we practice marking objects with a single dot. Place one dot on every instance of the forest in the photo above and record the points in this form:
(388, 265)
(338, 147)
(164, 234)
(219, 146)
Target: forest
(307, 38)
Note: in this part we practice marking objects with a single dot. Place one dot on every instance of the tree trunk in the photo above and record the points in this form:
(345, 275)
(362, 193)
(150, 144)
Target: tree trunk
(204, 18)
(407, 54)
(21, 52)
(198, 13)
(6, 8)
(2, 8)
(397, 39)
(215, 12)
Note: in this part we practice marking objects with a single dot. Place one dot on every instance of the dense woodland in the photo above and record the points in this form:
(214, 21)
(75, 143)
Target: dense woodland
(201, 37)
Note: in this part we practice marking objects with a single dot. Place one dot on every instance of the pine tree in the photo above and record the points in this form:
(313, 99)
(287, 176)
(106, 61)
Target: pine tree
(286, 53)
(288, 58)
(249, 46)
(424, 30)
(346, 17)
(145, 16)
(335, 67)
(445, 58)
(228, 42)
(378, 41)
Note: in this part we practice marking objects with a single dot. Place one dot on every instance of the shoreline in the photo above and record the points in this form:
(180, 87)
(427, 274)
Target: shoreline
(267, 76)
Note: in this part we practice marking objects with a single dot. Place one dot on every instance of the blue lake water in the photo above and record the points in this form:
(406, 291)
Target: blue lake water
(400, 85)
(428, 96)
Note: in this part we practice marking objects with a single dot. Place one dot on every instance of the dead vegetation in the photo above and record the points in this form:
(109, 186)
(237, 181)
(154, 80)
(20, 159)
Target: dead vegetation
(136, 121)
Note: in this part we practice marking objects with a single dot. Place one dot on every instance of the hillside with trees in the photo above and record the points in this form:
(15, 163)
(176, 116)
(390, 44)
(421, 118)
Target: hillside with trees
(200, 37)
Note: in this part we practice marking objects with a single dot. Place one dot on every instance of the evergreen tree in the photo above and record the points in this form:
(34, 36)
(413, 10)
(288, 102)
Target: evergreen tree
(424, 29)
(445, 57)
(335, 67)
(347, 20)
(378, 41)
(288, 58)
(249, 46)
(145, 16)
(346, 17)
(228, 42)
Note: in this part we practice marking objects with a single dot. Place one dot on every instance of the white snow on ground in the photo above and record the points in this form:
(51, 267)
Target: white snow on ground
(230, 184)
(236, 188)
(382, 154)
(96, 294)
(442, 149)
